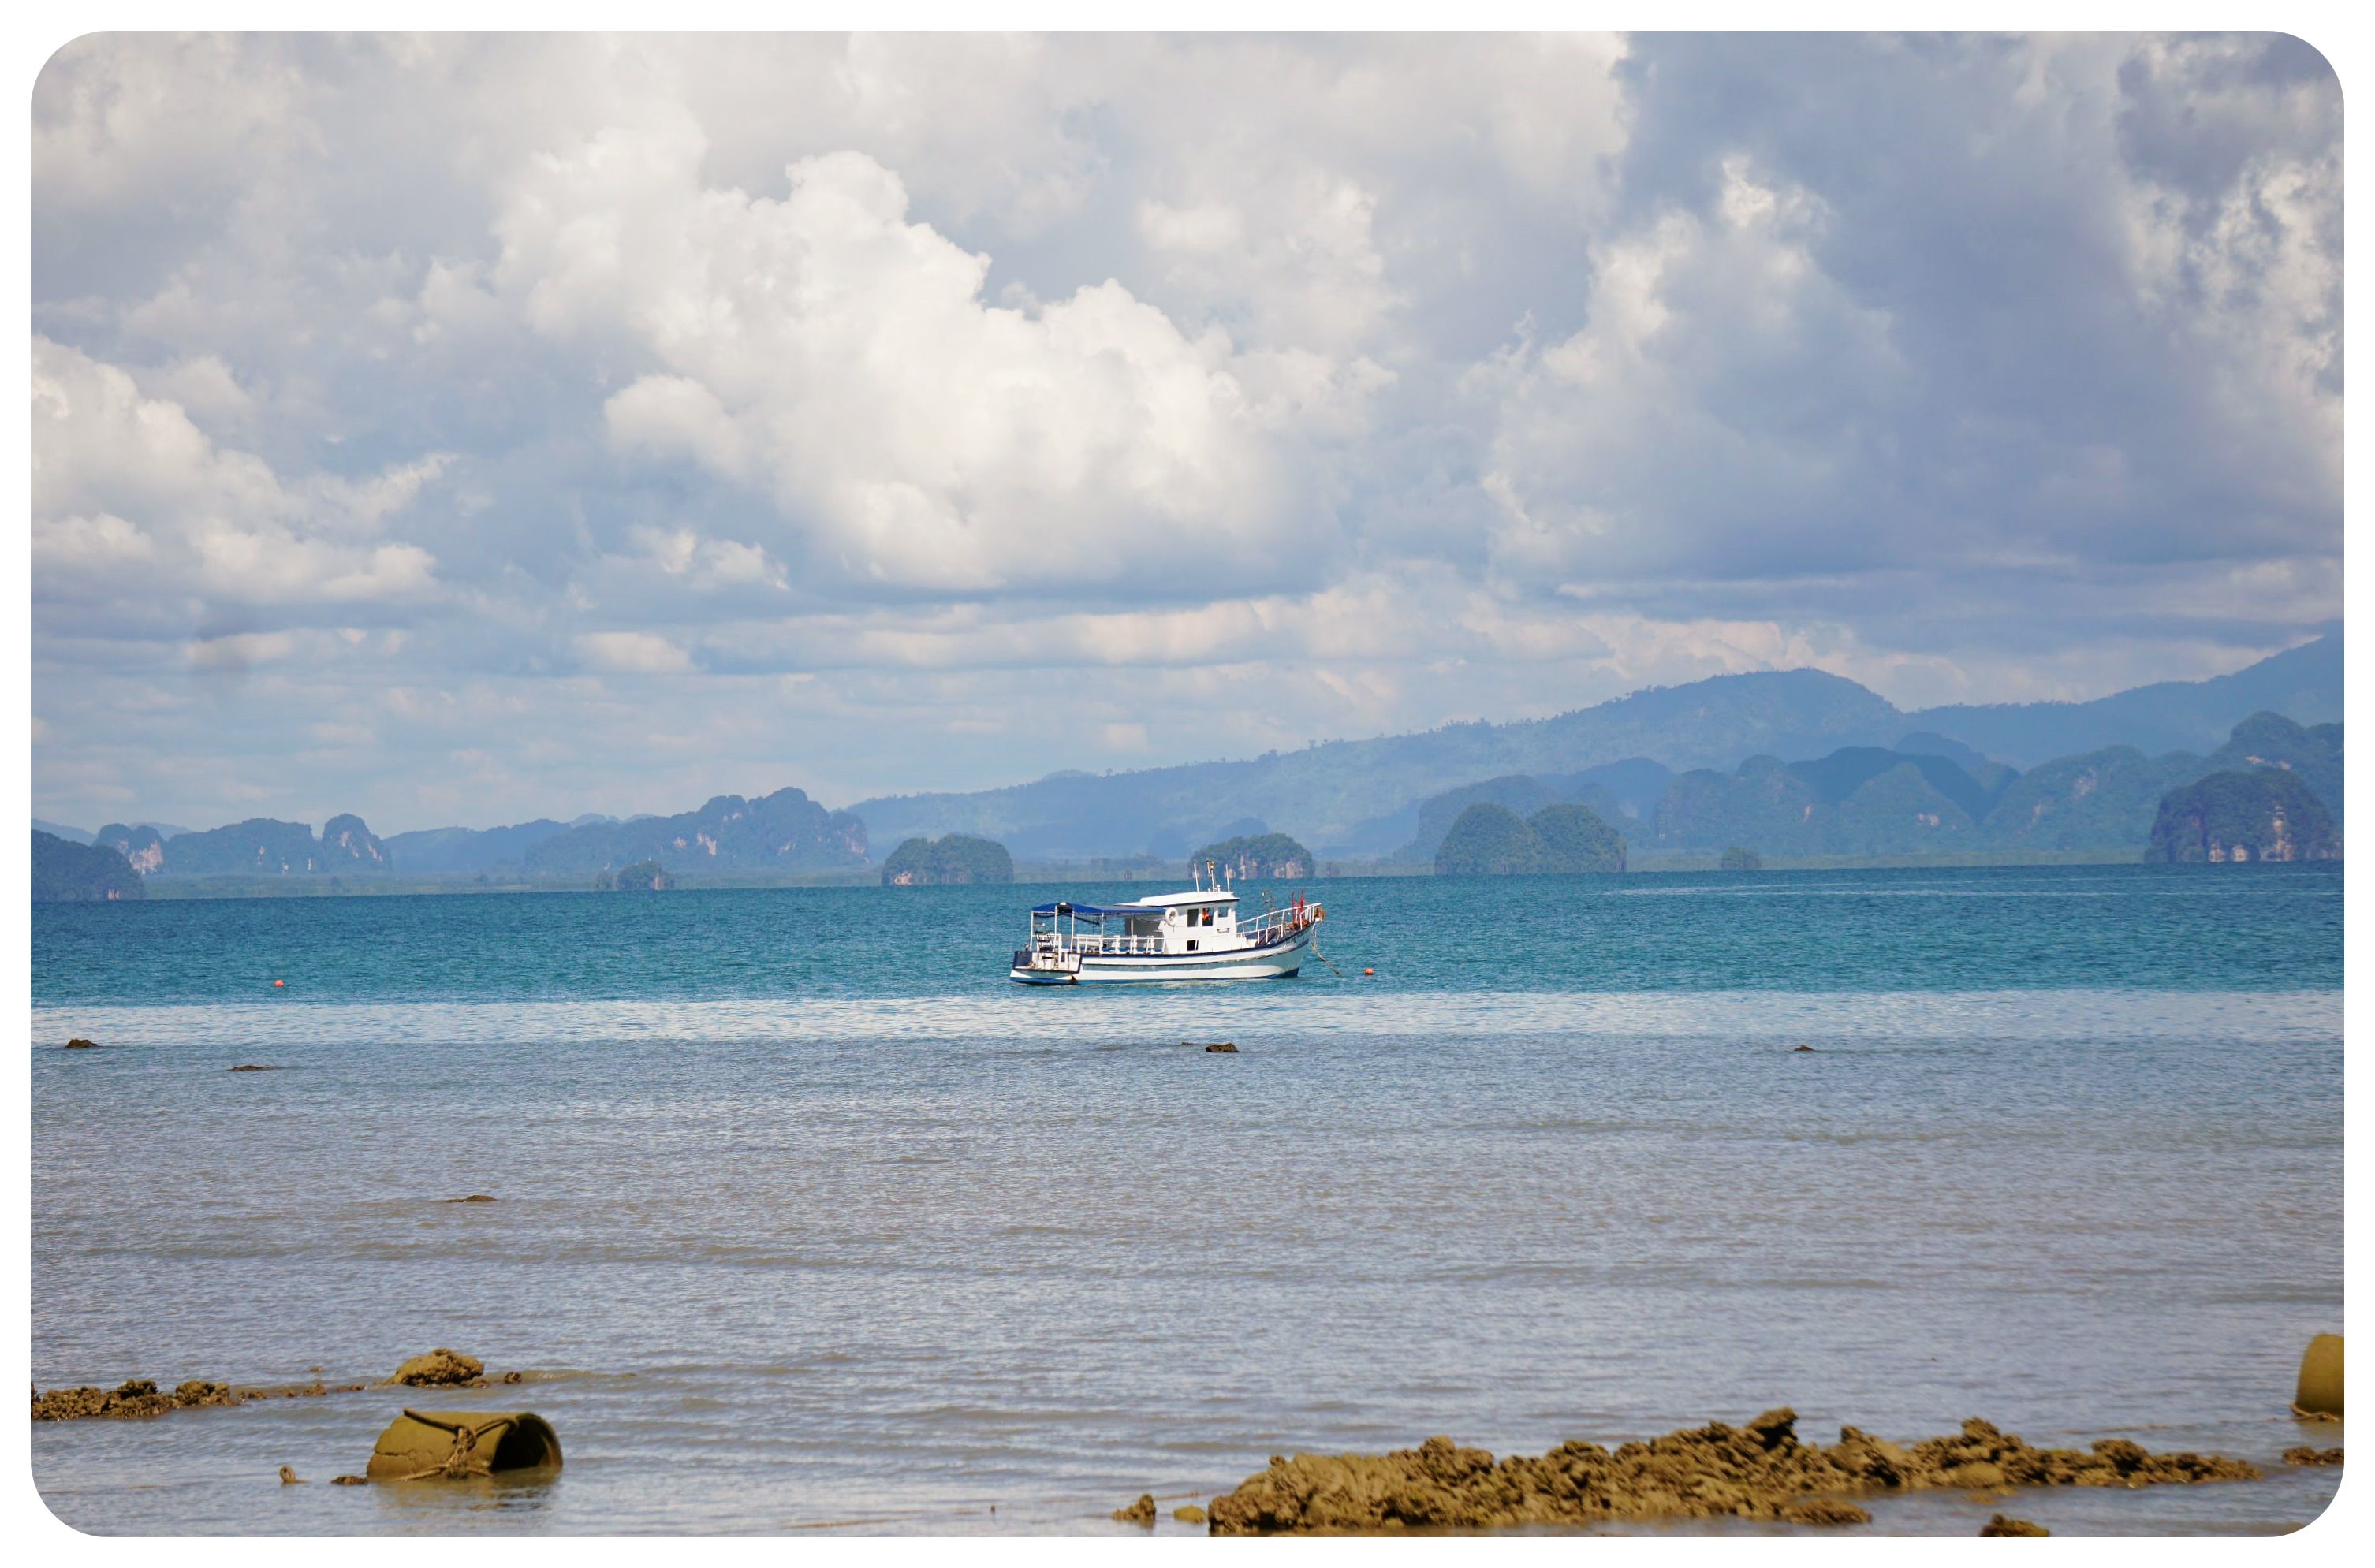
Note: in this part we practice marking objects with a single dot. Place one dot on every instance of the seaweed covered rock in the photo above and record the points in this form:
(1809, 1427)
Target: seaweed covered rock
(1141, 1513)
(1757, 1471)
(440, 1368)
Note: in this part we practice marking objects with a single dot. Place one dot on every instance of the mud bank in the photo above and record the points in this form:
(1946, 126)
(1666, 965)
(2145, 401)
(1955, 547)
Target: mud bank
(1758, 1472)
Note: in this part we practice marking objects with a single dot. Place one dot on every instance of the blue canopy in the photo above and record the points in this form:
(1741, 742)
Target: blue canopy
(1098, 912)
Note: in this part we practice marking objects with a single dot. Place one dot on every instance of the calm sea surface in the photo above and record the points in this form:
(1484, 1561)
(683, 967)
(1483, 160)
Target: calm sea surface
(808, 1218)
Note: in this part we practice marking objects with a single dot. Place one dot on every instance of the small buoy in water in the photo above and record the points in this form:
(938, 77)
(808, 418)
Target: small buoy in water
(281, 982)
(1368, 972)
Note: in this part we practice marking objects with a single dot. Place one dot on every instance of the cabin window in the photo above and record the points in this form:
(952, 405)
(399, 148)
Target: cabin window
(1191, 944)
(1207, 917)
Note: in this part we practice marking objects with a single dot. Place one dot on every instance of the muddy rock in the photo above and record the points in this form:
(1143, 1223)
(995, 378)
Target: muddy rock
(350, 1481)
(474, 1198)
(253, 1067)
(1224, 1047)
(137, 1400)
(2003, 1525)
(289, 1477)
(1757, 1471)
(197, 1391)
(440, 1368)
(1141, 1513)
(79, 1044)
(1188, 1513)
(2309, 1456)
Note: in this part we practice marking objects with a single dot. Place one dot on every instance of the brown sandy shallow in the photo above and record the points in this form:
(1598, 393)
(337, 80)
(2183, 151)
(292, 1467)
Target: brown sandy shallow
(1757, 1471)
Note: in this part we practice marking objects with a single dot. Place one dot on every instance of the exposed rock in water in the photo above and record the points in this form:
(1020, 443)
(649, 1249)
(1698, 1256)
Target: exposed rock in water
(253, 1067)
(2003, 1524)
(1224, 1047)
(1802, 1047)
(2309, 1456)
(1141, 1513)
(1824, 1511)
(474, 1198)
(440, 1368)
(138, 1398)
(289, 1477)
(1759, 1472)
(1188, 1513)
(350, 1481)
(79, 1044)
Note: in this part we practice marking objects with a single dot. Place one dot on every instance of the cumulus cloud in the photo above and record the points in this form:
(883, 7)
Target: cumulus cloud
(418, 420)
(133, 503)
(912, 436)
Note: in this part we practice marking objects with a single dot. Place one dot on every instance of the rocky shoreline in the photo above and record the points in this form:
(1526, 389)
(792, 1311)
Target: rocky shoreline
(1758, 1472)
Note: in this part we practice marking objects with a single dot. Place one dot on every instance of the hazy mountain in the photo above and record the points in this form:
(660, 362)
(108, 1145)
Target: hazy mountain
(2304, 684)
(785, 831)
(2313, 753)
(468, 849)
(142, 846)
(259, 846)
(1858, 800)
(60, 830)
(1363, 797)
(67, 872)
(2244, 814)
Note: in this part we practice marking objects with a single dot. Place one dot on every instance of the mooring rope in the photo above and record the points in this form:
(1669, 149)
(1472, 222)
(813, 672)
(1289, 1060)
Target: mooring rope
(463, 1459)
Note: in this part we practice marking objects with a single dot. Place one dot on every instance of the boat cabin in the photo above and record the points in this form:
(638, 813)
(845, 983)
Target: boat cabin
(1163, 923)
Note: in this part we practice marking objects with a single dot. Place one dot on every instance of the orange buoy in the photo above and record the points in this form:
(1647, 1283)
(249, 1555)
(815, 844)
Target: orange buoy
(281, 982)
(1368, 972)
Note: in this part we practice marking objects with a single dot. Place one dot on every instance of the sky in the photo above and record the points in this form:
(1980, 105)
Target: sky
(465, 430)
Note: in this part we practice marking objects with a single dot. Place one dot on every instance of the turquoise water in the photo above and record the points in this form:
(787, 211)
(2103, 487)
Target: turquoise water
(808, 1218)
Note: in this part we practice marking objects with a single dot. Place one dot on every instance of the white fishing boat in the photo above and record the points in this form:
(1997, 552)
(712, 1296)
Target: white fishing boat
(1191, 935)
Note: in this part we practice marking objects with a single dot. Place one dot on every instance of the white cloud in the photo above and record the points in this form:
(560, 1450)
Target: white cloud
(633, 652)
(1321, 385)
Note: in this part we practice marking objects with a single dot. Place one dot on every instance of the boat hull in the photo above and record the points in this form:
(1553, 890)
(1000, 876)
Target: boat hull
(1280, 960)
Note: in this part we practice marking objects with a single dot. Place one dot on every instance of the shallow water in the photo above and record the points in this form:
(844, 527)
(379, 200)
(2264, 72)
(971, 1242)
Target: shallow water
(808, 1218)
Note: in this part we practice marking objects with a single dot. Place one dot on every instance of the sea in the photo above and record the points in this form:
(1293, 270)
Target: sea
(807, 1218)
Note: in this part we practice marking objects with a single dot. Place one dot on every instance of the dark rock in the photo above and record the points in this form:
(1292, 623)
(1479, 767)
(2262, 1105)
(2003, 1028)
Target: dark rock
(79, 1043)
(2306, 1455)
(1802, 1047)
(253, 1067)
(1141, 1513)
(2003, 1524)
(1224, 1047)
(350, 1481)
(474, 1198)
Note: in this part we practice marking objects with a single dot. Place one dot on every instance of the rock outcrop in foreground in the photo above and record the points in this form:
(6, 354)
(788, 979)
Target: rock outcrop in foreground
(1759, 1472)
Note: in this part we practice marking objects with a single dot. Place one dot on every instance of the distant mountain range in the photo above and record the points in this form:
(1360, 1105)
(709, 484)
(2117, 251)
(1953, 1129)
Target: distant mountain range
(1685, 768)
(1355, 798)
